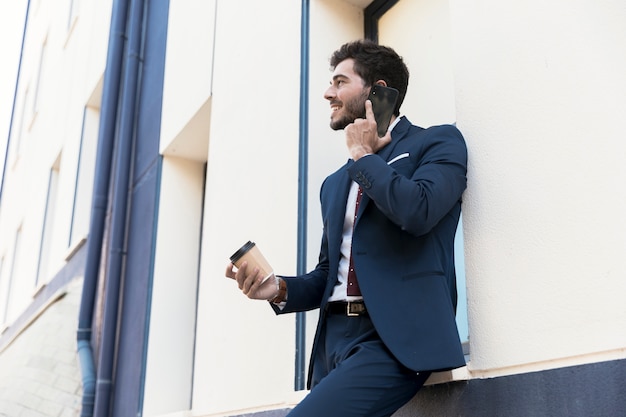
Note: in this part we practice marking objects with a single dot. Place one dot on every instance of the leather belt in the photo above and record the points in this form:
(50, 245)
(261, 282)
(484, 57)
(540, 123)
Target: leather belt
(347, 308)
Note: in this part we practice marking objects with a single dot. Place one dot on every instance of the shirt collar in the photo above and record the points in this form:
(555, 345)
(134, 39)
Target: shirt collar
(395, 122)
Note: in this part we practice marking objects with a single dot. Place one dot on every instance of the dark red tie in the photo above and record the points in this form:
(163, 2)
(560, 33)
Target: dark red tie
(353, 284)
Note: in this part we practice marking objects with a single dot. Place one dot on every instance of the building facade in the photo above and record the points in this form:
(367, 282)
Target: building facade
(150, 139)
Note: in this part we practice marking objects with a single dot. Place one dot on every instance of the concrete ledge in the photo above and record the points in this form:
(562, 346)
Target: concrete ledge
(577, 391)
(270, 413)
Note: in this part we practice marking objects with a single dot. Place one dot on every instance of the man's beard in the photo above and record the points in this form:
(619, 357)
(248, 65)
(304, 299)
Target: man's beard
(353, 109)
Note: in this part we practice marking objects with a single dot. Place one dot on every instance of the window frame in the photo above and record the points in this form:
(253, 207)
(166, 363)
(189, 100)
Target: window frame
(372, 14)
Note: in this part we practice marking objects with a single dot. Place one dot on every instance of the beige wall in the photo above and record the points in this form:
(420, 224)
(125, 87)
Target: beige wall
(420, 32)
(250, 195)
(540, 97)
(536, 87)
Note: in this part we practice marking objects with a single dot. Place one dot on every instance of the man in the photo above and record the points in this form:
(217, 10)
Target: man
(374, 348)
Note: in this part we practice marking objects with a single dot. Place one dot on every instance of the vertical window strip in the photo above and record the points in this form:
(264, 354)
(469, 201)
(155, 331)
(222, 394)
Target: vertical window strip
(77, 179)
(20, 128)
(48, 223)
(3, 294)
(15, 267)
(40, 71)
(72, 14)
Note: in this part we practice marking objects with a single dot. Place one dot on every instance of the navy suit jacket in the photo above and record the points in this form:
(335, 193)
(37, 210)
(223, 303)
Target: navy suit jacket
(402, 244)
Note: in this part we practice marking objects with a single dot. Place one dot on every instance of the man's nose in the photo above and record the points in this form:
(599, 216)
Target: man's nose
(329, 94)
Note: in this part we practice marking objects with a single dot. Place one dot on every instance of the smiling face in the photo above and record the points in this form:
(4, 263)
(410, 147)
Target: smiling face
(346, 95)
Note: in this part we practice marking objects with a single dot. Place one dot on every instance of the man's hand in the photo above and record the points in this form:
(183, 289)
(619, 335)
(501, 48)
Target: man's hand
(362, 137)
(251, 283)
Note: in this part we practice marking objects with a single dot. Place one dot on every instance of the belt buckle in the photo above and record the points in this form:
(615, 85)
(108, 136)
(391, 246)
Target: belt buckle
(358, 308)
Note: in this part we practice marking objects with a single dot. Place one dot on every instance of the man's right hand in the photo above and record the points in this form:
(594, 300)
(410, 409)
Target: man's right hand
(362, 135)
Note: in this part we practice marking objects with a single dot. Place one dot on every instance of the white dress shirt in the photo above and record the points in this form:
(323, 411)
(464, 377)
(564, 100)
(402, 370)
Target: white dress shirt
(340, 292)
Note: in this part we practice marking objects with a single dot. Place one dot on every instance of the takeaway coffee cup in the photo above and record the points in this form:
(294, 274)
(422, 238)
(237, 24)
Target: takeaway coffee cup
(250, 252)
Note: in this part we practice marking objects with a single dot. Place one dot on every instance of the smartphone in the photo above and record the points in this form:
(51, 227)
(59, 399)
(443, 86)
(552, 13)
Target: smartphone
(384, 101)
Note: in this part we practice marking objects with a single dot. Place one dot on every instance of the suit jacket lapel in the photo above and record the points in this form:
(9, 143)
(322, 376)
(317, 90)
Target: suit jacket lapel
(397, 134)
(341, 188)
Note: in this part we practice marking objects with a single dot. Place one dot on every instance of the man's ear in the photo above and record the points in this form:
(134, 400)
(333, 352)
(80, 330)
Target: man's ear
(381, 82)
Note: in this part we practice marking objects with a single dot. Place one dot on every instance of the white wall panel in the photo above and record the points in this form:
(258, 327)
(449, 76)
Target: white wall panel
(540, 96)
(251, 194)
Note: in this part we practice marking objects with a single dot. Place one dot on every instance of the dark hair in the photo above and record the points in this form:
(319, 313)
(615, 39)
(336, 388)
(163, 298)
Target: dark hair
(375, 62)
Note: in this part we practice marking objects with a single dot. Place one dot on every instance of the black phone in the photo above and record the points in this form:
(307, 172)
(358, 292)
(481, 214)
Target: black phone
(384, 101)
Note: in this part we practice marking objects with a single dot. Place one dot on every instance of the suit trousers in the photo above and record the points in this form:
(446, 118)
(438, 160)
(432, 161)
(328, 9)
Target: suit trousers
(355, 375)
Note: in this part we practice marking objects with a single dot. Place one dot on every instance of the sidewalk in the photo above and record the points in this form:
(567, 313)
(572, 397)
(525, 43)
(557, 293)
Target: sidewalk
(39, 371)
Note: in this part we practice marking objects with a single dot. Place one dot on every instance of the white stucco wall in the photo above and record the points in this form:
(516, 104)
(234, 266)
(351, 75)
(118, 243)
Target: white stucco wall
(540, 97)
(244, 354)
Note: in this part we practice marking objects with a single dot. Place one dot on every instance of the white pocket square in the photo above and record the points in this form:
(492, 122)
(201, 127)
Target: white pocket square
(401, 156)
